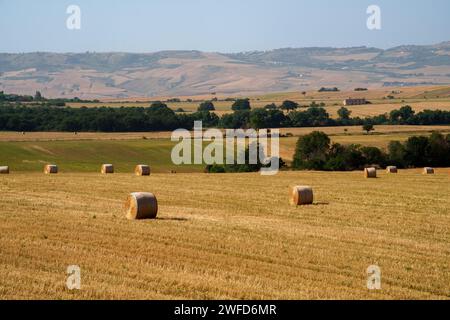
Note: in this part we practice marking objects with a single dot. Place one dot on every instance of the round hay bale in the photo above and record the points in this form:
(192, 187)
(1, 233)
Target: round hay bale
(51, 169)
(428, 170)
(141, 205)
(391, 169)
(107, 168)
(142, 170)
(301, 195)
(4, 170)
(370, 172)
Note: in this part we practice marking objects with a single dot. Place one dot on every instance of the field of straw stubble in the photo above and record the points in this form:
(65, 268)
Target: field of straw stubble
(226, 236)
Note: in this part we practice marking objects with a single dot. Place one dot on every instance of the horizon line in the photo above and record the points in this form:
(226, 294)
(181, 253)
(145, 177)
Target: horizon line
(233, 52)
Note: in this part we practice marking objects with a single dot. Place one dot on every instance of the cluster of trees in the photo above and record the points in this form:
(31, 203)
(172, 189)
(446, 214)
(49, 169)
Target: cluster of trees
(39, 98)
(317, 116)
(316, 152)
(206, 106)
(404, 115)
(323, 89)
(247, 166)
(157, 117)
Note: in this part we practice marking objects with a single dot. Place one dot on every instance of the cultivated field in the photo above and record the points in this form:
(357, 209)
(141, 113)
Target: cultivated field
(88, 155)
(85, 152)
(419, 98)
(231, 236)
(6, 136)
(223, 236)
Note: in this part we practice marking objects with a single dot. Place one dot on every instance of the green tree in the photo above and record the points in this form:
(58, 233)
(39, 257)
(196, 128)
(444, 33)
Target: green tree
(344, 113)
(38, 96)
(242, 167)
(289, 105)
(344, 158)
(208, 119)
(236, 120)
(161, 117)
(368, 127)
(396, 153)
(311, 151)
(373, 155)
(416, 150)
(241, 104)
(206, 106)
(158, 105)
(438, 150)
(317, 116)
(259, 119)
(402, 115)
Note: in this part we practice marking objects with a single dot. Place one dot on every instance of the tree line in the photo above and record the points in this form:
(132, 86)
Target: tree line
(315, 151)
(158, 116)
(38, 98)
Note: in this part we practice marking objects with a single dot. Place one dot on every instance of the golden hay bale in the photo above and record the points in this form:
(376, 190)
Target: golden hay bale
(428, 170)
(301, 195)
(370, 172)
(107, 168)
(4, 170)
(391, 169)
(141, 205)
(50, 169)
(142, 170)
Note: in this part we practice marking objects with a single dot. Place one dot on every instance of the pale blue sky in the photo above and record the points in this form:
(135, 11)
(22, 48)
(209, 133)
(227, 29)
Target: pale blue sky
(217, 25)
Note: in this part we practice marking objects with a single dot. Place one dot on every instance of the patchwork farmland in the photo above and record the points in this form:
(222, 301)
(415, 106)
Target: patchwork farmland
(220, 236)
(230, 236)
(217, 161)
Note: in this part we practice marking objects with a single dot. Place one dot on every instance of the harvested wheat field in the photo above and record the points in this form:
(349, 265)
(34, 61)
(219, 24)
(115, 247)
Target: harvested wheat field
(231, 236)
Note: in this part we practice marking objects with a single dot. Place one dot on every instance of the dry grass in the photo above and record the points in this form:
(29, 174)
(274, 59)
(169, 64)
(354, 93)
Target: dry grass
(226, 236)
(70, 136)
(357, 130)
(423, 93)
(370, 110)
(419, 98)
(332, 106)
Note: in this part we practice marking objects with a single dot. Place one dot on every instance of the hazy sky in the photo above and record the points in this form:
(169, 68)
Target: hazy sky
(217, 25)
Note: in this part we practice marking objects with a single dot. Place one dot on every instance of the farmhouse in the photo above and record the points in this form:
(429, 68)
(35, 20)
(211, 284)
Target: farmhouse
(354, 102)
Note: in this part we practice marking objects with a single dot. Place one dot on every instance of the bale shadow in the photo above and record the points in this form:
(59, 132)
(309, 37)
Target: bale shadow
(171, 219)
(320, 203)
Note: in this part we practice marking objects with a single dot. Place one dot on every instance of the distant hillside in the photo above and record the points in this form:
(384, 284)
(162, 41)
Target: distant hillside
(172, 73)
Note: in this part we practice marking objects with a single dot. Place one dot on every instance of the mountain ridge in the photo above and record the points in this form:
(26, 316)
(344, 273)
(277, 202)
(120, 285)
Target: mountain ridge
(193, 72)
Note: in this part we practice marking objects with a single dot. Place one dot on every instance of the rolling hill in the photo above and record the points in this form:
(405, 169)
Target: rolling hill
(174, 73)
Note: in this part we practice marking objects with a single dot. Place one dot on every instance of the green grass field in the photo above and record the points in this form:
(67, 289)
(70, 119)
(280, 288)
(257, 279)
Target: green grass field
(126, 151)
(87, 156)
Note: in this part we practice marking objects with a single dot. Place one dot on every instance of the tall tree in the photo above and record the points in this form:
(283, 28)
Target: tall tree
(241, 104)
